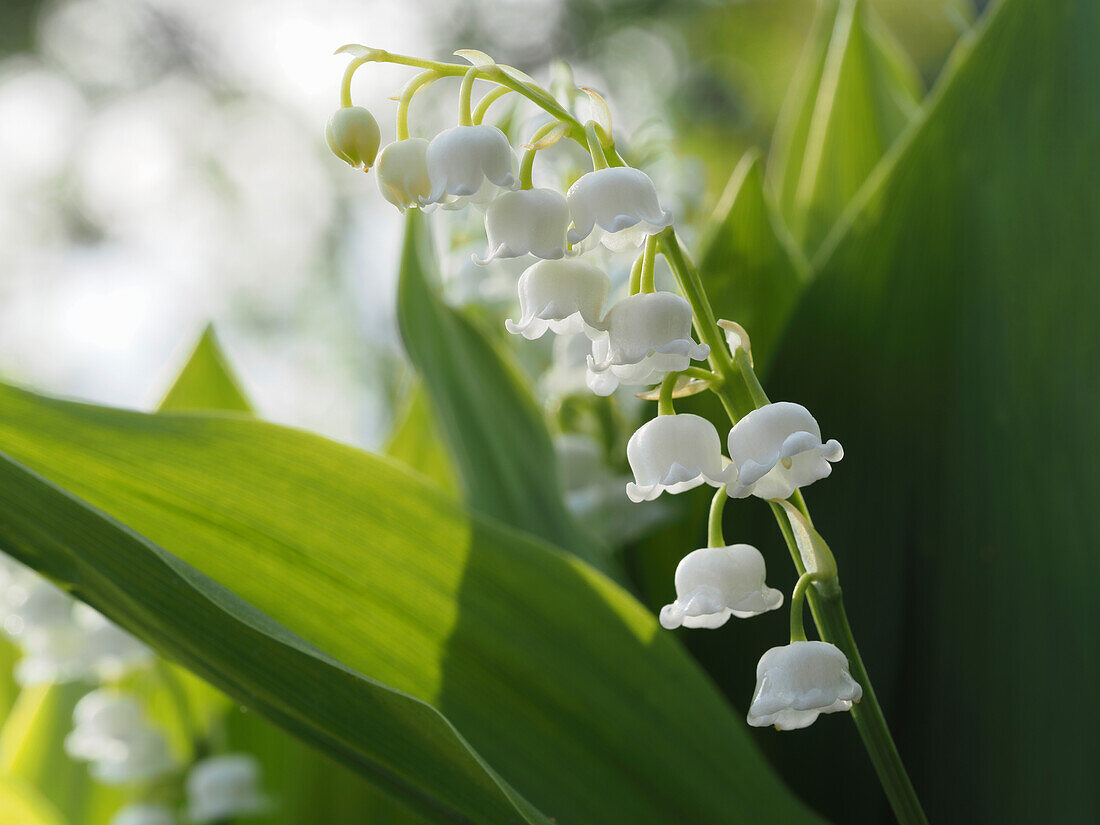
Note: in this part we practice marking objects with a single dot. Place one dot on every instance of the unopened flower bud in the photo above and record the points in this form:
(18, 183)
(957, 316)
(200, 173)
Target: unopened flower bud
(353, 136)
(798, 682)
(403, 173)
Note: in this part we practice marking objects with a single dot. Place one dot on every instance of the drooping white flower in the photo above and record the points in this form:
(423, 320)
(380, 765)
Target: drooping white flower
(526, 221)
(798, 682)
(616, 206)
(674, 453)
(469, 164)
(777, 449)
(649, 336)
(109, 732)
(352, 135)
(714, 583)
(141, 814)
(403, 173)
(223, 787)
(563, 296)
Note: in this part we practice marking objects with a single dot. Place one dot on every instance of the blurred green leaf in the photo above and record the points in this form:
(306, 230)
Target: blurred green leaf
(32, 755)
(853, 93)
(206, 381)
(551, 671)
(415, 440)
(494, 429)
(22, 804)
(949, 341)
(750, 266)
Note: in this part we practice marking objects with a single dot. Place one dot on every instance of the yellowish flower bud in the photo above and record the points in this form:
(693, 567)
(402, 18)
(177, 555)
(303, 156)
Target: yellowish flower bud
(353, 136)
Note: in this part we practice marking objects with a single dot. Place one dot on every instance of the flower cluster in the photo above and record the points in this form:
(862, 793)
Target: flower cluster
(642, 339)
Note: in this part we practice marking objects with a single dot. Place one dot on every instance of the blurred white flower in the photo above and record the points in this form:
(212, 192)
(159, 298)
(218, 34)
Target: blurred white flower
(798, 682)
(225, 786)
(109, 652)
(675, 453)
(616, 206)
(526, 221)
(567, 372)
(353, 136)
(649, 336)
(777, 449)
(109, 732)
(469, 164)
(564, 296)
(403, 173)
(144, 815)
(714, 583)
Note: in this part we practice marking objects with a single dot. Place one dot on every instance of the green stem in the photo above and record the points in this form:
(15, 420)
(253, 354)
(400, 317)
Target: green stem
(636, 276)
(413, 86)
(664, 400)
(465, 98)
(741, 393)
(595, 146)
(798, 629)
(714, 522)
(488, 100)
(527, 165)
(345, 84)
(649, 264)
(184, 712)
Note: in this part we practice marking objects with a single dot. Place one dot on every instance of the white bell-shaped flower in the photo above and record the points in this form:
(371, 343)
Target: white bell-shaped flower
(469, 164)
(616, 206)
(223, 787)
(777, 449)
(403, 173)
(649, 336)
(798, 682)
(31, 602)
(141, 814)
(526, 222)
(674, 453)
(714, 583)
(563, 296)
(109, 732)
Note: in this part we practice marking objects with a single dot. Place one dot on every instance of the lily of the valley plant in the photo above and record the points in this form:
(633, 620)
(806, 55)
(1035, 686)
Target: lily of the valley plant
(643, 340)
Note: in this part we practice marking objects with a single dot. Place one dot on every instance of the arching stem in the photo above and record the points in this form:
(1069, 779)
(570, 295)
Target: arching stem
(714, 522)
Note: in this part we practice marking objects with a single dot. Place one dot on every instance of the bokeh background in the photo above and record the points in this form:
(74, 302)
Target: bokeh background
(162, 166)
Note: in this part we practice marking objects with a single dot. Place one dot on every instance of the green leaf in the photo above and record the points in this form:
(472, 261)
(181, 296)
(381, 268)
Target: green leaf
(22, 804)
(207, 381)
(494, 429)
(553, 673)
(310, 786)
(32, 755)
(415, 440)
(854, 93)
(752, 270)
(949, 342)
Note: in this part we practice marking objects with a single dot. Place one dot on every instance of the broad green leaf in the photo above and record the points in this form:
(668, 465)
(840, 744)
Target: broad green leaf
(553, 673)
(492, 426)
(308, 786)
(22, 804)
(949, 342)
(207, 381)
(853, 94)
(750, 267)
(415, 440)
